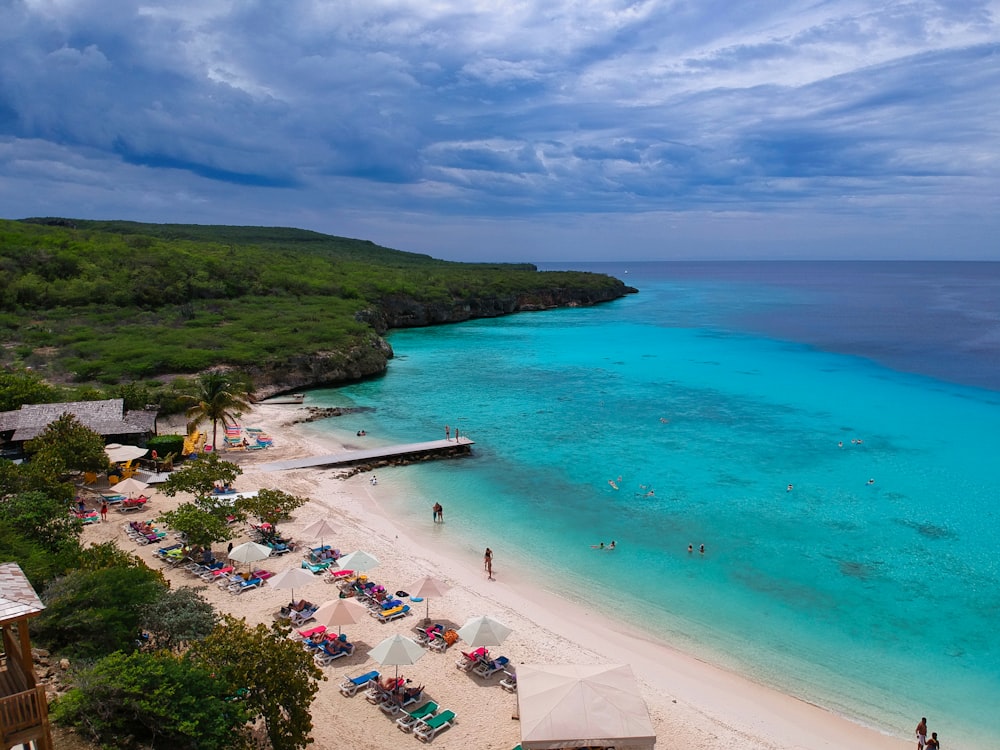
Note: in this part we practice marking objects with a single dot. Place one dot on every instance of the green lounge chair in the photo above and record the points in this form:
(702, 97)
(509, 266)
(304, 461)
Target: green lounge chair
(407, 721)
(427, 729)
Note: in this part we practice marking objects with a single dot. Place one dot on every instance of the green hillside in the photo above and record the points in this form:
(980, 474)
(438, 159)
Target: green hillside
(114, 301)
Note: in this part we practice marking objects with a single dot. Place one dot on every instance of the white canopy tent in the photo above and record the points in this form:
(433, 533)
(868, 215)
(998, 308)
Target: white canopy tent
(570, 705)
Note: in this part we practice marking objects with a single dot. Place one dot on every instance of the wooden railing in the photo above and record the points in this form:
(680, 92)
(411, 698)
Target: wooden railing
(22, 711)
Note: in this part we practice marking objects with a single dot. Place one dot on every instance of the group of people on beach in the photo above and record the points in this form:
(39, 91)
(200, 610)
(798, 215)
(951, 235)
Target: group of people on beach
(923, 742)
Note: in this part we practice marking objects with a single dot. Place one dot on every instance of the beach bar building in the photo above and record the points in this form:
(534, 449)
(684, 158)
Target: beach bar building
(24, 713)
(107, 418)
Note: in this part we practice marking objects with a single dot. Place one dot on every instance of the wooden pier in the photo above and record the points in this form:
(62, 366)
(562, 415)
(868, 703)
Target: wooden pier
(432, 448)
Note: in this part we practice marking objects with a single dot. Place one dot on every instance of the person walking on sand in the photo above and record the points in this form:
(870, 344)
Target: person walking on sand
(488, 563)
(104, 511)
(921, 731)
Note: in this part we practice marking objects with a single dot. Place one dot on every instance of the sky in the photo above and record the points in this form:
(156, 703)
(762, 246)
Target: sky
(517, 130)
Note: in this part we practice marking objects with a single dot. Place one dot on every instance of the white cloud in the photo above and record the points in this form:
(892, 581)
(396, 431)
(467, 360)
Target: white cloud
(526, 110)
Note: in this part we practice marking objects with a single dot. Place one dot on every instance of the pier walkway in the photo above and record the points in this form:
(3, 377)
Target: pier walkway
(347, 458)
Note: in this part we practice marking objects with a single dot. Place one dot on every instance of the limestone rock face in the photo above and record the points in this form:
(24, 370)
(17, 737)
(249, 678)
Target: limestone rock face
(405, 312)
(327, 368)
(298, 371)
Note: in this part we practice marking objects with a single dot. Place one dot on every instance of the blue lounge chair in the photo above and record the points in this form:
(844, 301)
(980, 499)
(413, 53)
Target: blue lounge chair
(352, 685)
(490, 667)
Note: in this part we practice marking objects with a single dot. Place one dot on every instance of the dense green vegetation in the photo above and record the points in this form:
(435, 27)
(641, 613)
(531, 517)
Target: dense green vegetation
(194, 679)
(111, 301)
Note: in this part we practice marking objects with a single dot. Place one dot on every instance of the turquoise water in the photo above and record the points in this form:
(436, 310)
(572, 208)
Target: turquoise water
(876, 600)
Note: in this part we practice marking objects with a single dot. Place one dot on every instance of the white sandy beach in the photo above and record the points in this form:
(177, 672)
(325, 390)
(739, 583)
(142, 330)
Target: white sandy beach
(692, 704)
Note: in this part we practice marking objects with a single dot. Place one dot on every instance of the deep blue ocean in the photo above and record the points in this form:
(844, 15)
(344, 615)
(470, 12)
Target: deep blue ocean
(829, 432)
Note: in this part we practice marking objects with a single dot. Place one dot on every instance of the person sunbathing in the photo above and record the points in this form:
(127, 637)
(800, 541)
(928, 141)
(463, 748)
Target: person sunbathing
(412, 693)
(317, 638)
(300, 605)
(391, 683)
(338, 646)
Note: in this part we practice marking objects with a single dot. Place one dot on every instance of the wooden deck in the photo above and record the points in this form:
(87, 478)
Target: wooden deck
(347, 458)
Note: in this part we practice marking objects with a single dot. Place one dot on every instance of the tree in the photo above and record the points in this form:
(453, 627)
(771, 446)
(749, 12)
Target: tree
(43, 518)
(147, 700)
(67, 446)
(270, 506)
(19, 387)
(92, 613)
(39, 475)
(110, 555)
(279, 678)
(204, 520)
(199, 526)
(177, 617)
(221, 396)
(200, 477)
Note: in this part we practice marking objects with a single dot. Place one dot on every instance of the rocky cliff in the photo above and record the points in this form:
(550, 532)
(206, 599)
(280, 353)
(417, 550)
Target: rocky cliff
(325, 368)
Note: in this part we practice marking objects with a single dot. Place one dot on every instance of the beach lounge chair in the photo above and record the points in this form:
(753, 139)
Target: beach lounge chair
(332, 650)
(395, 613)
(297, 618)
(425, 634)
(317, 567)
(306, 633)
(375, 693)
(409, 718)
(428, 728)
(351, 685)
(487, 669)
(509, 682)
(439, 643)
(392, 706)
(335, 576)
(469, 659)
(228, 579)
(214, 575)
(239, 588)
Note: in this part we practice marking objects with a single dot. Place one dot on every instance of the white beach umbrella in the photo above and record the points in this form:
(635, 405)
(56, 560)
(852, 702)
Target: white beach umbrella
(318, 529)
(359, 561)
(339, 612)
(249, 552)
(484, 631)
(118, 453)
(397, 650)
(129, 486)
(292, 578)
(427, 587)
(569, 705)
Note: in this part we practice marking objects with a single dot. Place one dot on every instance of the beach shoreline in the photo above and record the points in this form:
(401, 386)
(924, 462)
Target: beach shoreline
(692, 703)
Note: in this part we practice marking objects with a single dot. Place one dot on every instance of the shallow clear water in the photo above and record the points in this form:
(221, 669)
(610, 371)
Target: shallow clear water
(702, 398)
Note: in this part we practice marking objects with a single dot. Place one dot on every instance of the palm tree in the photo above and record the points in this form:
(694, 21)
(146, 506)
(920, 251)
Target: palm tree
(220, 395)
